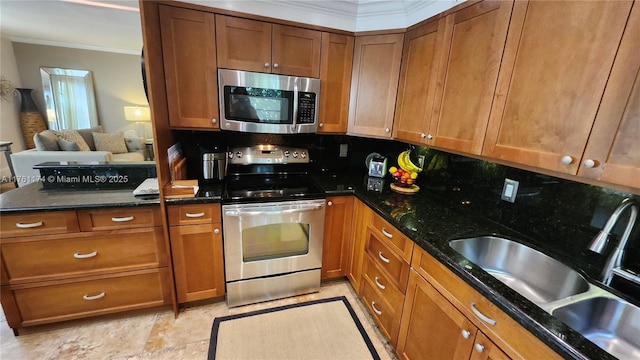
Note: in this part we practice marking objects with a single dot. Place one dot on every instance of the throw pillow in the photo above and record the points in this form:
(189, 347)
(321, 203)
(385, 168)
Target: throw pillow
(68, 145)
(87, 135)
(46, 141)
(74, 136)
(112, 142)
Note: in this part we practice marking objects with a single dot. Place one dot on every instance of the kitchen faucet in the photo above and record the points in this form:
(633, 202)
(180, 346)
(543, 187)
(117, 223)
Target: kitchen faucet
(613, 266)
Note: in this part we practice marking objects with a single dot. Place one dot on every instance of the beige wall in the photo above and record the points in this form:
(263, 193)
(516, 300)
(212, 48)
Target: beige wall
(117, 79)
(9, 122)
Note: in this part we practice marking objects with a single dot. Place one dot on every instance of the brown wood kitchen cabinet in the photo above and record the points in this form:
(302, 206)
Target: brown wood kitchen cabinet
(440, 320)
(196, 250)
(449, 74)
(93, 262)
(362, 215)
(252, 45)
(190, 68)
(385, 272)
(558, 57)
(374, 84)
(337, 232)
(613, 149)
(335, 81)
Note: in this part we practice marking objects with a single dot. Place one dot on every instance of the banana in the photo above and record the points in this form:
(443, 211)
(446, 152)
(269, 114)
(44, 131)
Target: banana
(410, 166)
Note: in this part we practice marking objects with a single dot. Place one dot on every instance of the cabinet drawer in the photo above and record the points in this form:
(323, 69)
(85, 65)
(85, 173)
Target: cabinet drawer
(389, 261)
(396, 240)
(119, 218)
(55, 256)
(378, 280)
(194, 214)
(38, 223)
(50, 302)
(387, 319)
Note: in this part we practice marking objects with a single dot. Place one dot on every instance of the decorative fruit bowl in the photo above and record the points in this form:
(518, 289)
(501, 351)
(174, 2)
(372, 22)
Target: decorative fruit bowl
(406, 173)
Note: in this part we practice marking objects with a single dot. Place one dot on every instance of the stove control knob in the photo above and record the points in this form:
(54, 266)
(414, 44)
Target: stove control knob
(239, 154)
(295, 154)
(286, 153)
(303, 154)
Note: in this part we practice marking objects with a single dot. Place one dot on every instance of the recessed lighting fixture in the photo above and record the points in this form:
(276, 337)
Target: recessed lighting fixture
(104, 5)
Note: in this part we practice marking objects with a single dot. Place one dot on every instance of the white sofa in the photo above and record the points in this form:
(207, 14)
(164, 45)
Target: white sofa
(24, 161)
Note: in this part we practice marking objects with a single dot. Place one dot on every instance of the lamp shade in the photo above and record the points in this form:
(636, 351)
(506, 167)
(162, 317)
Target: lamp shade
(137, 113)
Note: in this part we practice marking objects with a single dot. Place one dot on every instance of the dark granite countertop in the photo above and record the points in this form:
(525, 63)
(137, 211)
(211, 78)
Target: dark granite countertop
(425, 217)
(32, 198)
(431, 222)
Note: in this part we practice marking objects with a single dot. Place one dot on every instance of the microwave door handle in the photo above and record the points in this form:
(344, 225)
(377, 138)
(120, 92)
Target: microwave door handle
(295, 106)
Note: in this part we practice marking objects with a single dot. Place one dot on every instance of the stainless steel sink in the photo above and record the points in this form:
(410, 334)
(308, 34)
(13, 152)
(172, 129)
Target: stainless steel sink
(610, 323)
(531, 273)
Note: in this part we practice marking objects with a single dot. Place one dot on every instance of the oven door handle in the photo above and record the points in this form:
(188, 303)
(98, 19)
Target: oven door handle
(273, 212)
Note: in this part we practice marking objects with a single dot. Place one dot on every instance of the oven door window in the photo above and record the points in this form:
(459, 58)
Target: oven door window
(258, 105)
(274, 241)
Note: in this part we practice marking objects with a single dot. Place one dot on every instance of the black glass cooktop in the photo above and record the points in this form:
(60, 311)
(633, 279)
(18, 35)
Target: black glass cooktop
(260, 188)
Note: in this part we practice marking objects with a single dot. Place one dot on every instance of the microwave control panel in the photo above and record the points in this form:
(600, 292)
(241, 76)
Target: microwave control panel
(306, 108)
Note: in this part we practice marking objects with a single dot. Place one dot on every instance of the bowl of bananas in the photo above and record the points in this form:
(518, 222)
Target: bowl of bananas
(405, 175)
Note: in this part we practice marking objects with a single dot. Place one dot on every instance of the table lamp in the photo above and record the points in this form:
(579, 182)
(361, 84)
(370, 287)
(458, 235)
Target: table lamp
(139, 114)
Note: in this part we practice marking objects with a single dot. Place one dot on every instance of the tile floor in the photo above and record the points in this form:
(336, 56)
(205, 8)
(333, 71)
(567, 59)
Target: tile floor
(155, 335)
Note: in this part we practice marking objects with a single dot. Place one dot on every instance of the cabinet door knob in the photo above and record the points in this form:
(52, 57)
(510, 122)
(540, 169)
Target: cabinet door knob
(589, 163)
(423, 135)
(320, 125)
(275, 65)
(266, 65)
(566, 159)
(214, 121)
(329, 203)
(216, 231)
(387, 130)
(479, 348)
(466, 334)
(429, 136)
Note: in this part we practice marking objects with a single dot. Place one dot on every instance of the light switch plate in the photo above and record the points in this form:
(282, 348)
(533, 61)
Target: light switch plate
(343, 150)
(510, 190)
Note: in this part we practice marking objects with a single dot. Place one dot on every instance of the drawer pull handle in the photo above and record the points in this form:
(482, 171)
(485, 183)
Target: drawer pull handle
(480, 315)
(382, 257)
(375, 310)
(122, 219)
(94, 297)
(196, 215)
(85, 256)
(387, 234)
(30, 225)
(378, 283)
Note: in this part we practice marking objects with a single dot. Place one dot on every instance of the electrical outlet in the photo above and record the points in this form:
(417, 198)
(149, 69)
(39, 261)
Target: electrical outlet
(343, 150)
(510, 190)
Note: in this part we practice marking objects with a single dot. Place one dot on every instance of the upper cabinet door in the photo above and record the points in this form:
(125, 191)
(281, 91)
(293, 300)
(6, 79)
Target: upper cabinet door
(474, 44)
(243, 44)
(557, 60)
(296, 51)
(613, 150)
(416, 91)
(189, 54)
(374, 84)
(264, 47)
(335, 80)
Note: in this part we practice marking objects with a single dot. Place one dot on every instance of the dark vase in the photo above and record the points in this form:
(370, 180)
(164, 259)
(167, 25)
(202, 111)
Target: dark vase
(31, 121)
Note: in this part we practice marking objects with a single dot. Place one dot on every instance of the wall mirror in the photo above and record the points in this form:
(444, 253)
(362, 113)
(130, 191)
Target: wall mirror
(69, 98)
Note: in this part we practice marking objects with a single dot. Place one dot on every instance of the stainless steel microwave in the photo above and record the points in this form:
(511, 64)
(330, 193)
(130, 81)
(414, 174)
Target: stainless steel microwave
(267, 103)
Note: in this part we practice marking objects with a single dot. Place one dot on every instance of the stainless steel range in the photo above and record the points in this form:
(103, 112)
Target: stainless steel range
(273, 225)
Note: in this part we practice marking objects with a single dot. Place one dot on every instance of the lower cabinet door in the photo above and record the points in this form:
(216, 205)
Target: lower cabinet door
(485, 349)
(431, 327)
(54, 301)
(197, 261)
